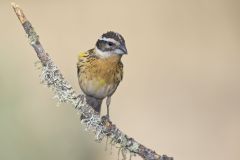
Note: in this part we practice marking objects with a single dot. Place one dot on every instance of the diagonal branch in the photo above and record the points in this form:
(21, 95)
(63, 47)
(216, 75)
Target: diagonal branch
(101, 127)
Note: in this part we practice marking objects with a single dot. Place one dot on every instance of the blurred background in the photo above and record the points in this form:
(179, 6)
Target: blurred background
(181, 90)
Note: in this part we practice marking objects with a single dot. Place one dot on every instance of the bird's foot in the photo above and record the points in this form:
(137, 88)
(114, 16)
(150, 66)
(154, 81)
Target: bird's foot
(106, 118)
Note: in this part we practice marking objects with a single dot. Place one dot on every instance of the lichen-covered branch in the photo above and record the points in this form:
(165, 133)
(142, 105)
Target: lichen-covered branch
(101, 127)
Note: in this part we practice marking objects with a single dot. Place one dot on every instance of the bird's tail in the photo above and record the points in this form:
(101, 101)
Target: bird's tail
(95, 103)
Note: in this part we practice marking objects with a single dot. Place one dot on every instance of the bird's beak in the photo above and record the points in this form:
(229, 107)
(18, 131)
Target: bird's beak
(123, 49)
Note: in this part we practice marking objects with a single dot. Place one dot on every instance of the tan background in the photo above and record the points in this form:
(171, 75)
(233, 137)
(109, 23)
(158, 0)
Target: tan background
(181, 89)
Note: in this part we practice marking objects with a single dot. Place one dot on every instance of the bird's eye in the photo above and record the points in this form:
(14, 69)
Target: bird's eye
(110, 43)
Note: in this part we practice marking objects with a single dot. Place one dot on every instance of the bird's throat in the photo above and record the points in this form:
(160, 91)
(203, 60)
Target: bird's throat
(107, 54)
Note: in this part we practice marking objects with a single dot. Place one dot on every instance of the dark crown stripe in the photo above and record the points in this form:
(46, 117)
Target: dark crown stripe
(116, 36)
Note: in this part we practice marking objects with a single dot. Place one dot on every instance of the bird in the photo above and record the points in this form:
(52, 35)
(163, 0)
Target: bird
(100, 69)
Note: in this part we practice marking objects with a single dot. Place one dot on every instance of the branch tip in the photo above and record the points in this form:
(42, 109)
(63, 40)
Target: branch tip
(19, 12)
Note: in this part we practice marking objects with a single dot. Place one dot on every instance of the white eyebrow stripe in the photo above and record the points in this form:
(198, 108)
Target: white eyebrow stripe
(109, 40)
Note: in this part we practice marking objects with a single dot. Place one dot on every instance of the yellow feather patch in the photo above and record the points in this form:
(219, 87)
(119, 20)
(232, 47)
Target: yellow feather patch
(100, 84)
(82, 54)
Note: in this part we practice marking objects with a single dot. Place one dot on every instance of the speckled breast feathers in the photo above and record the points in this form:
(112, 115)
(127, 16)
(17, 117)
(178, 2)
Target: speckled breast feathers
(99, 77)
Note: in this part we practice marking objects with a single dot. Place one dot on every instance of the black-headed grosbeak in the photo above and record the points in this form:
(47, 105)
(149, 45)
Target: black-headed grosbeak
(100, 69)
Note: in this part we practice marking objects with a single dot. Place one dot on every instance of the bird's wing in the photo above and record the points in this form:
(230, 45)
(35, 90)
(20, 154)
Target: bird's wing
(82, 58)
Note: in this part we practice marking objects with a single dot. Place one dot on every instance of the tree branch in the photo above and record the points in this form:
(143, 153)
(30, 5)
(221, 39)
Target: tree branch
(101, 127)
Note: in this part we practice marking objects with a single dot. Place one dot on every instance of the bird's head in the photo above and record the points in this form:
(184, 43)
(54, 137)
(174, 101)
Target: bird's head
(109, 44)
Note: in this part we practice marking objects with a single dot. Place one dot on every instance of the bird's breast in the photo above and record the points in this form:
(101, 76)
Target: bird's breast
(97, 87)
(100, 78)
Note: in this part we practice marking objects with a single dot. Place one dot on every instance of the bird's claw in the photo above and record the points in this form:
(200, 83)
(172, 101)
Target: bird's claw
(105, 118)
